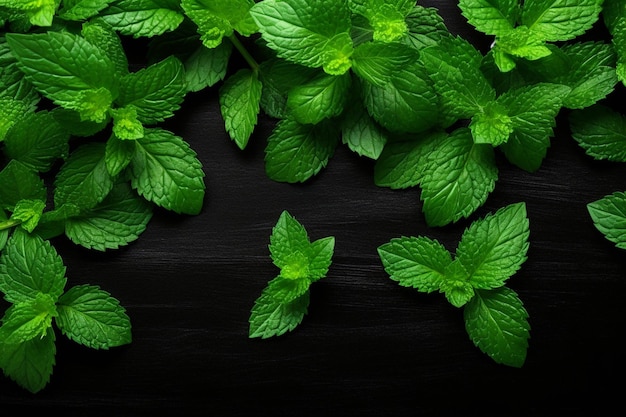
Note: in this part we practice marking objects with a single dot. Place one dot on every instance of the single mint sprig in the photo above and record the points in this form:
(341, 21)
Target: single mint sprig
(284, 302)
(491, 250)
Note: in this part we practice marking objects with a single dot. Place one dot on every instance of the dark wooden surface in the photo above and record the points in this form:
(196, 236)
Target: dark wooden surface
(367, 347)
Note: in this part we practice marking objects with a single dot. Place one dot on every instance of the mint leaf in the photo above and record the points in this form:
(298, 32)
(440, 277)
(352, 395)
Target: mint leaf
(39, 13)
(79, 10)
(492, 249)
(29, 265)
(118, 220)
(361, 132)
(320, 98)
(491, 125)
(216, 19)
(156, 92)
(240, 97)
(497, 322)
(271, 317)
(18, 182)
(27, 319)
(38, 148)
(387, 18)
(67, 69)
(102, 35)
(92, 317)
(143, 18)
(296, 152)
(28, 213)
(126, 125)
(458, 178)
(600, 131)
(376, 62)
(288, 237)
(492, 17)
(313, 34)
(205, 67)
(166, 171)
(416, 262)
(609, 217)
(560, 20)
(425, 27)
(118, 154)
(30, 363)
(83, 179)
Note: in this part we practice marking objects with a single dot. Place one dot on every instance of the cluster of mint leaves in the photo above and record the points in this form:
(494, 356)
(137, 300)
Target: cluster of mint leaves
(383, 77)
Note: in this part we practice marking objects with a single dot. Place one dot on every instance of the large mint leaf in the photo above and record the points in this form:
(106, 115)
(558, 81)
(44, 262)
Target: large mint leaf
(314, 34)
(30, 265)
(560, 20)
(166, 171)
(143, 18)
(118, 220)
(497, 322)
(493, 248)
(296, 152)
(92, 317)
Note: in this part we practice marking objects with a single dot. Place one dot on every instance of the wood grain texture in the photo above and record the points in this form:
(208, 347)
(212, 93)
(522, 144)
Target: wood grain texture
(367, 347)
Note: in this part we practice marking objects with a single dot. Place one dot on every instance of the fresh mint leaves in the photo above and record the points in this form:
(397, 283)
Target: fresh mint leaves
(490, 251)
(285, 301)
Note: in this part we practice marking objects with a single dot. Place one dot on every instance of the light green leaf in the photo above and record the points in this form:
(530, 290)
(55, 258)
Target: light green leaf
(600, 131)
(321, 98)
(497, 322)
(314, 34)
(493, 248)
(28, 319)
(30, 265)
(297, 152)
(166, 171)
(492, 125)
(560, 20)
(80, 10)
(387, 18)
(143, 18)
(30, 364)
(126, 126)
(492, 17)
(288, 289)
(288, 237)
(39, 13)
(271, 317)
(28, 213)
(416, 262)
(117, 221)
(609, 217)
(455, 285)
(92, 317)
(216, 19)
(240, 97)
(458, 179)
(320, 255)
(425, 27)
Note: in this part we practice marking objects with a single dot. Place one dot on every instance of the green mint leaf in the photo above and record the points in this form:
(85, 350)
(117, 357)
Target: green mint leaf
(361, 132)
(216, 19)
(117, 221)
(609, 217)
(387, 18)
(402, 162)
(92, 317)
(30, 363)
(143, 18)
(287, 289)
(18, 182)
(600, 131)
(416, 262)
(288, 237)
(320, 255)
(493, 248)
(532, 110)
(376, 62)
(458, 178)
(118, 154)
(67, 69)
(39, 13)
(497, 323)
(560, 20)
(28, 319)
(102, 35)
(614, 17)
(407, 102)
(29, 265)
(52, 222)
(28, 213)
(297, 152)
(156, 91)
(278, 78)
(38, 148)
(126, 125)
(455, 285)
(205, 67)
(15, 85)
(240, 98)
(321, 98)
(492, 125)
(492, 17)
(425, 27)
(271, 317)
(11, 111)
(454, 66)
(166, 171)
(313, 34)
(79, 10)
(83, 179)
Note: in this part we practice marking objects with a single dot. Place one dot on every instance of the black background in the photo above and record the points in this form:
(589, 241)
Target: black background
(367, 347)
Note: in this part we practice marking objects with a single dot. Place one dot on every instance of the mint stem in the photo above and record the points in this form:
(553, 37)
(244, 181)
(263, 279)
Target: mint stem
(7, 224)
(244, 52)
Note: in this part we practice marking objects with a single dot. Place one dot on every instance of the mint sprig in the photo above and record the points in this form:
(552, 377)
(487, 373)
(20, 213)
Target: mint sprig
(282, 305)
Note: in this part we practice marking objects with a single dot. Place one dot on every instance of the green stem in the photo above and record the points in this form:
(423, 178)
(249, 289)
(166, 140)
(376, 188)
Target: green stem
(7, 224)
(244, 52)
